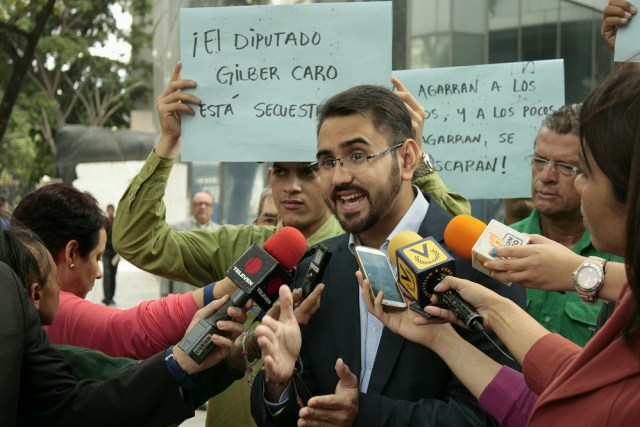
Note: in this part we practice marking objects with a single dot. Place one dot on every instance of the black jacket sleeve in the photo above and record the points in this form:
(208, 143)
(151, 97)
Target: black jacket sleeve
(37, 386)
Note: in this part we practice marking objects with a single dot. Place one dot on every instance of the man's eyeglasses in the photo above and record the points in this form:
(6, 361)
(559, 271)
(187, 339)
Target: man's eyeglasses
(267, 220)
(562, 168)
(205, 204)
(352, 160)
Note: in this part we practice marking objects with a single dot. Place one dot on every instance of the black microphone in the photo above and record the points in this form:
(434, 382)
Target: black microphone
(319, 262)
(422, 264)
(258, 273)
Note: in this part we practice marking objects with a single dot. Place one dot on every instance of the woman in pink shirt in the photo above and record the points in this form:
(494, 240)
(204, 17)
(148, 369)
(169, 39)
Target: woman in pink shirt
(73, 228)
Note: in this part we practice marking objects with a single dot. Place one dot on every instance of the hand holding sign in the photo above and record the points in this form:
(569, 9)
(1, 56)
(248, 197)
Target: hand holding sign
(617, 13)
(171, 104)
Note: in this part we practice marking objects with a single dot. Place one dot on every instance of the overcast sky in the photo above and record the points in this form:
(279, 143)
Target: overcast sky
(114, 48)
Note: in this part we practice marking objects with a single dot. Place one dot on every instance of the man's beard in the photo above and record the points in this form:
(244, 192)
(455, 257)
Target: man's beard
(379, 204)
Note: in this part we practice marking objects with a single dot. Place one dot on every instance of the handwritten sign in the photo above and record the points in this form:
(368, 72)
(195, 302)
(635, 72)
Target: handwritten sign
(262, 72)
(628, 39)
(482, 122)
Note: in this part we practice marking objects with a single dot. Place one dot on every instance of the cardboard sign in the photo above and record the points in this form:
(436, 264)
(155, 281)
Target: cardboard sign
(262, 72)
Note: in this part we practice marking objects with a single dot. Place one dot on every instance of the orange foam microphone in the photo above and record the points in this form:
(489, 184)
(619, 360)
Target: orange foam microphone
(462, 233)
(471, 239)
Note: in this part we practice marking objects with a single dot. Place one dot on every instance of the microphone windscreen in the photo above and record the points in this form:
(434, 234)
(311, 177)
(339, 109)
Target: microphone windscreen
(462, 233)
(287, 246)
(401, 239)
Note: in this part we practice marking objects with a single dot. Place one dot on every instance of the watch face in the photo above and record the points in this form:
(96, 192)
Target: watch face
(588, 277)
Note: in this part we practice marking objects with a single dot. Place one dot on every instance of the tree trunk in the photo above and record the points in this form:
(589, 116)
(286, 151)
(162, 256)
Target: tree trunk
(20, 68)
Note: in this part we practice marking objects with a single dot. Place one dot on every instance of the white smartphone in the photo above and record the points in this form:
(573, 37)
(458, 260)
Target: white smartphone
(375, 267)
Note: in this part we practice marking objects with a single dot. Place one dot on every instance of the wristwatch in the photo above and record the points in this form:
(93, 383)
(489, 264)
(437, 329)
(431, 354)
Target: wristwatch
(589, 278)
(427, 166)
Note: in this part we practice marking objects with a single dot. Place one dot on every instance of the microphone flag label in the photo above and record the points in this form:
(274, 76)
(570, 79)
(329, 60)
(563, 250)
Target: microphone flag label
(260, 275)
(496, 235)
(421, 266)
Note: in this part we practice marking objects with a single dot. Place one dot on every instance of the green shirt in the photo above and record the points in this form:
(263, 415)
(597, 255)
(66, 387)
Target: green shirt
(91, 364)
(563, 313)
(87, 364)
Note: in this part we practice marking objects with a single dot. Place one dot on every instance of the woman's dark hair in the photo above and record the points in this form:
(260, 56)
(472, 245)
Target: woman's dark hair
(610, 131)
(16, 255)
(59, 213)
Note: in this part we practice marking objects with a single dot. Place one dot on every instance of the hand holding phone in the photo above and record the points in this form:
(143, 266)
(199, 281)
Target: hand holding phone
(375, 267)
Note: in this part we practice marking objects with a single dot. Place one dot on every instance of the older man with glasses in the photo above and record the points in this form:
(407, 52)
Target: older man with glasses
(555, 163)
(200, 219)
(201, 210)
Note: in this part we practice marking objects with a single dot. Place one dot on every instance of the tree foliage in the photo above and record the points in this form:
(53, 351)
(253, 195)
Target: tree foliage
(62, 82)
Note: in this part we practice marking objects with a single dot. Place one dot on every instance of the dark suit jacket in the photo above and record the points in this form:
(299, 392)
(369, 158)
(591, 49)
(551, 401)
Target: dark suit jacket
(37, 388)
(410, 385)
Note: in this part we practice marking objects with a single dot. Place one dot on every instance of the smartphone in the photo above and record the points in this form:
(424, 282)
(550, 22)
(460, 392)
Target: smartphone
(375, 267)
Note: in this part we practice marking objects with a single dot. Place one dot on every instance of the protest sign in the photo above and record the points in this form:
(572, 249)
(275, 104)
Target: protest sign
(262, 72)
(482, 121)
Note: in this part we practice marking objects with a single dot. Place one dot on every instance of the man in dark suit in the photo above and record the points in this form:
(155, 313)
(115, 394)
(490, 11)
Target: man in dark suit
(366, 157)
(37, 386)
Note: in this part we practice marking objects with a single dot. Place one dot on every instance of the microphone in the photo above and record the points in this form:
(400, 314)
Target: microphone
(422, 264)
(472, 239)
(258, 273)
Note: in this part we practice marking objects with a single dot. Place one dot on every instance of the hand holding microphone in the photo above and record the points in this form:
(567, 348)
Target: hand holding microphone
(258, 273)
(542, 264)
(482, 299)
(224, 341)
(422, 264)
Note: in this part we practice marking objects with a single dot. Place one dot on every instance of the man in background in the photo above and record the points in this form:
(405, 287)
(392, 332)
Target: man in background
(200, 219)
(517, 209)
(555, 163)
(110, 261)
(267, 211)
(201, 210)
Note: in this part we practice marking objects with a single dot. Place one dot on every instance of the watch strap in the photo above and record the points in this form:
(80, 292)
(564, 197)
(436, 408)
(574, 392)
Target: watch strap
(426, 166)
(178, 374)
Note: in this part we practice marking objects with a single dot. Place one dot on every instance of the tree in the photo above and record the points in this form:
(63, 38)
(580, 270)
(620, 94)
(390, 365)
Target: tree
(61, 82)
(22, 30)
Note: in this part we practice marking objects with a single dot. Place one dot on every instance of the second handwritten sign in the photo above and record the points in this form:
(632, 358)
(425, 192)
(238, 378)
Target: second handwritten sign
(482, 121)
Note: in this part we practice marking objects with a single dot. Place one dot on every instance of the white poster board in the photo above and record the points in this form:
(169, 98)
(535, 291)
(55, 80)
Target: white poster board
(262, 71)
(482, 122)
